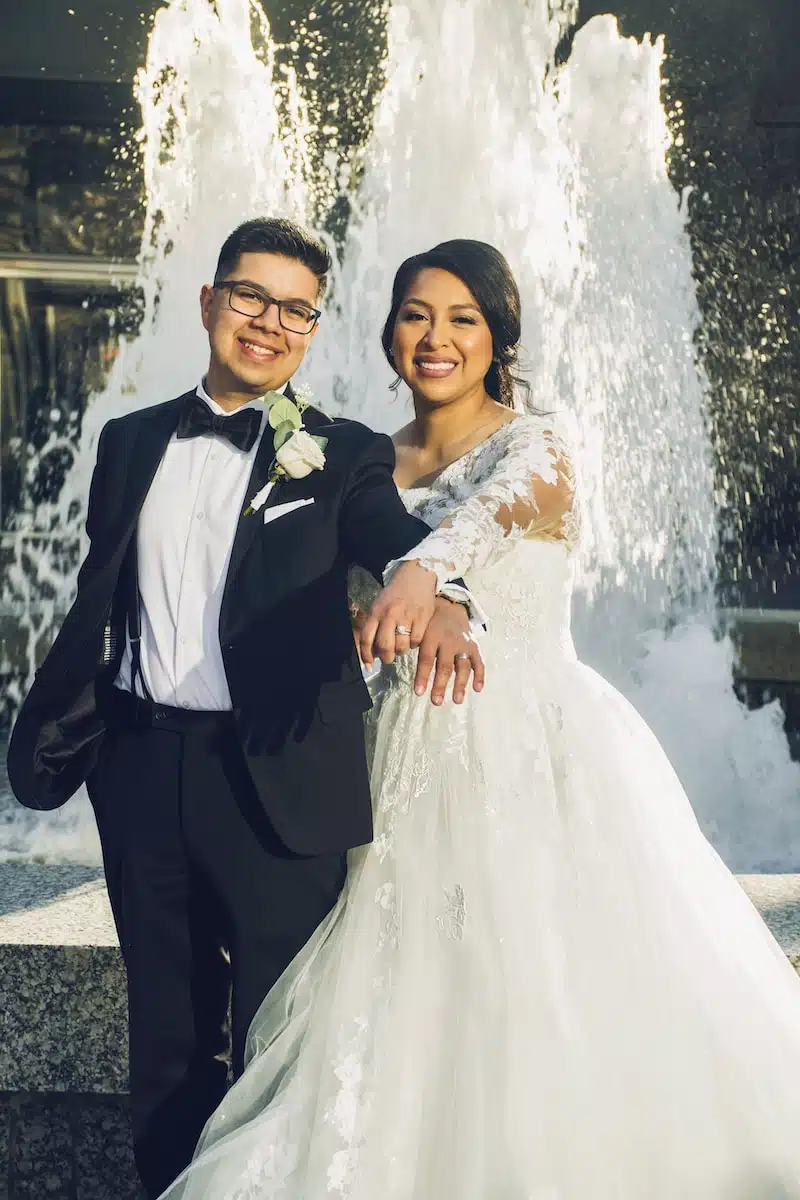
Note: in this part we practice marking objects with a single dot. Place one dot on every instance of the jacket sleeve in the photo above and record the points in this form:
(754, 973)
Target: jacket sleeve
(374, 525)
(54, 741)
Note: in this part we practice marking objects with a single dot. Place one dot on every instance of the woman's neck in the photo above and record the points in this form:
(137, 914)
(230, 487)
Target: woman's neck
(438, 428)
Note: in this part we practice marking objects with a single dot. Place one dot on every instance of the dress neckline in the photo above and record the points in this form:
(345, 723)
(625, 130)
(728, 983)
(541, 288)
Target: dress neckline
(425, 487)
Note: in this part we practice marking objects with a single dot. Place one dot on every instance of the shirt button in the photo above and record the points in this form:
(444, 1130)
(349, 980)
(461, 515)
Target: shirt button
(185, 704)
(200, 516)
(182, 640)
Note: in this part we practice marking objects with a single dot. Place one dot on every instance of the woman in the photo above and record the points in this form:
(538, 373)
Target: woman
(541, 982)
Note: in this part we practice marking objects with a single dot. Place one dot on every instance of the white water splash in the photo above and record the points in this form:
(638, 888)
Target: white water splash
(215, 153)
(565, 171)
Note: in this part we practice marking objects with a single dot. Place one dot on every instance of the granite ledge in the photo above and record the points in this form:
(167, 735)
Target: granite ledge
(63, 1017)
(63, 1009)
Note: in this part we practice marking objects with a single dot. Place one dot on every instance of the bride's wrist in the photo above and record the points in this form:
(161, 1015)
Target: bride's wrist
(453, 600)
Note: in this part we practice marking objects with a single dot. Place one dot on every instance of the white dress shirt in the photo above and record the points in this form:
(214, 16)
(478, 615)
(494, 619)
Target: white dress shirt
(184, 542)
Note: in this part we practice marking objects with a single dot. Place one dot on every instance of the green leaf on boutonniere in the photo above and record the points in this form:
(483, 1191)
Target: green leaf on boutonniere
(284, 412)
(283, 433)
(321, 441)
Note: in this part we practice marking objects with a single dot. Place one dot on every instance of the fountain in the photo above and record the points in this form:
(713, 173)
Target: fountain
(477, 132)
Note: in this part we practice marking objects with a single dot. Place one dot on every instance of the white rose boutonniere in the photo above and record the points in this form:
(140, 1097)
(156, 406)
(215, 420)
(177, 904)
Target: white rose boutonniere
(299, 455)
(297, 452)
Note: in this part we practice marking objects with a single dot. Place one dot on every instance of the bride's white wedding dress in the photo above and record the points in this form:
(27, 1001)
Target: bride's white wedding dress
(541, 982)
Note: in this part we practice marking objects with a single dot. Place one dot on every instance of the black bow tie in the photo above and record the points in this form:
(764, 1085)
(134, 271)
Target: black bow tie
(240, 428)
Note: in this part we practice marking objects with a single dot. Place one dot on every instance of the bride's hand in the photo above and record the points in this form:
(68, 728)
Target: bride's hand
(449, 644)
(400, 616)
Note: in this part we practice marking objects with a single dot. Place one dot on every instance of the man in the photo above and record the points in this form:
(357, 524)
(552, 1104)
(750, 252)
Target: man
(205, 683)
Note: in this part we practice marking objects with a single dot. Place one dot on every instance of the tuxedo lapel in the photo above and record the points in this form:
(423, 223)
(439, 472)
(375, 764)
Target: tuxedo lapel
(250, 524)
(154, 430)
(315, 421)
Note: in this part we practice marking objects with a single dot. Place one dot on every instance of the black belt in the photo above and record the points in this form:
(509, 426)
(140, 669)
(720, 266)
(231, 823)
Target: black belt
(122, 710)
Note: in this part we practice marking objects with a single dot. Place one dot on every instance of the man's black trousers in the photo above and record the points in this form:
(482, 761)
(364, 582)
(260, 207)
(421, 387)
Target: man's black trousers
(210, 908)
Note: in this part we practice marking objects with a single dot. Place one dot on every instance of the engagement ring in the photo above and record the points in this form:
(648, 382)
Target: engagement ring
(402, 629)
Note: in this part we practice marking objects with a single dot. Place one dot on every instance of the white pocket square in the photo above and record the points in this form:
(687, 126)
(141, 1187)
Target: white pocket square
(280, 510)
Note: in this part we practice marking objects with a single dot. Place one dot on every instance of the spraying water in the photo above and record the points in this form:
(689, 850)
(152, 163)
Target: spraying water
(565, 170)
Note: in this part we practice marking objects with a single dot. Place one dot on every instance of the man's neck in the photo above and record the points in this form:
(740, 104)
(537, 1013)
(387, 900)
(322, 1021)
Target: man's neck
(229, 398)
(230, 401)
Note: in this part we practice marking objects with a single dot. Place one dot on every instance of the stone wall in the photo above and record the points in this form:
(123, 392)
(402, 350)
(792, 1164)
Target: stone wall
(64, 1121)
(66, 1147)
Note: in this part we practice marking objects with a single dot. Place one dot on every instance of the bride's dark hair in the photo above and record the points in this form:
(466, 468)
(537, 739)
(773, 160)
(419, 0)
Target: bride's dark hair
(488, 276)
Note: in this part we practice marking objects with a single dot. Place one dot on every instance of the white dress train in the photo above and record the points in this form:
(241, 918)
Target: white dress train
(540, 982)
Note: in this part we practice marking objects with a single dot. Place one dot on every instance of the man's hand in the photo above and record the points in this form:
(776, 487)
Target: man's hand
(449, 644)
(399, 617)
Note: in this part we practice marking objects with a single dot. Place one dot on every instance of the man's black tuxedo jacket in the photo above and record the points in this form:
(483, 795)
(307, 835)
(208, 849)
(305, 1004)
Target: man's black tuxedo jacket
(287, 645)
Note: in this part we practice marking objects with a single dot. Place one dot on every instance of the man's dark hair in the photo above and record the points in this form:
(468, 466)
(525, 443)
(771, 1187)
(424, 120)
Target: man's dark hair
(274, 235)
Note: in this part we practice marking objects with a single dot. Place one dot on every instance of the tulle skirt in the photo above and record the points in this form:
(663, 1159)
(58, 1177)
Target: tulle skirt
(540, 983)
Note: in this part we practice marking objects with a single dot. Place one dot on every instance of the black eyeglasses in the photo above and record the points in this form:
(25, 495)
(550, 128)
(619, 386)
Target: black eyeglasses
(250, 301)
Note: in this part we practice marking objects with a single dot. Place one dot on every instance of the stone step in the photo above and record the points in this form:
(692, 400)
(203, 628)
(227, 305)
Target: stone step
(62, 984)
(64, 1129)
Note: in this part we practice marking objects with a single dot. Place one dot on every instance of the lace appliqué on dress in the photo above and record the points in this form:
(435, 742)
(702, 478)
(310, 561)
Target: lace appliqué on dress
(455, 915)
(348, 1106)
(386, 899)
(520, 484)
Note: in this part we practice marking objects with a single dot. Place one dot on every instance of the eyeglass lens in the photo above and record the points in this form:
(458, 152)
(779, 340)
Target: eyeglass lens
(294, 316)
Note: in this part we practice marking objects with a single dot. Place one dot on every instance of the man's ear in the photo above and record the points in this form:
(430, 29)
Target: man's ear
(207, 295)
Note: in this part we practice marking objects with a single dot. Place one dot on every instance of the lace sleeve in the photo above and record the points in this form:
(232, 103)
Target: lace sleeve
(527, 490)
